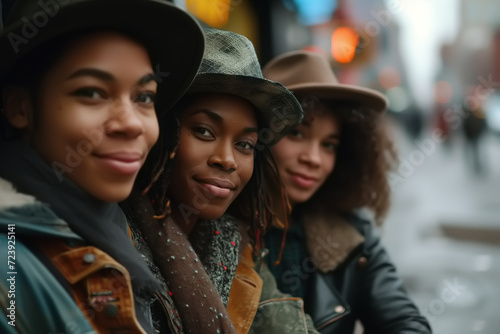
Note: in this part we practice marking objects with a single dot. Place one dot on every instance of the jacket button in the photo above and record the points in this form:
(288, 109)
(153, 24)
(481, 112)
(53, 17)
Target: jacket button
(363, 261)
(89, 258)
(339, 309)
(111, 310)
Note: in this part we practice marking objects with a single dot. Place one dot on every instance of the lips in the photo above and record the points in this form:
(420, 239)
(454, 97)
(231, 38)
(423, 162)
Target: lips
(303, 180)
(217, 187)
(121, 162)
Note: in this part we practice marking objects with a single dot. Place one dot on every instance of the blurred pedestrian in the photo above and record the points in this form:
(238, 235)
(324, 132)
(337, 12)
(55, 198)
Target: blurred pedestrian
(474, 127)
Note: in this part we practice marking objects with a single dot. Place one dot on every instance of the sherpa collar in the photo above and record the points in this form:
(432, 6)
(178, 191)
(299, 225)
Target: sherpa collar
(329, 239)
(10, 197)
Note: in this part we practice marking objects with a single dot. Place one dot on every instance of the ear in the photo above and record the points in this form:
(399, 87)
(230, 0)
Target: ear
(17, 107)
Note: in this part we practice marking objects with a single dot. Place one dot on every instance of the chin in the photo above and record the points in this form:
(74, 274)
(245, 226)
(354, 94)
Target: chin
(211, 213)
(299, 198)
(113, 195)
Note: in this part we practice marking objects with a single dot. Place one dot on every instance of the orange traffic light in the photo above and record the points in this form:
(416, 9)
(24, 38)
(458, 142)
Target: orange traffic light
(344, 43)
(215, 13)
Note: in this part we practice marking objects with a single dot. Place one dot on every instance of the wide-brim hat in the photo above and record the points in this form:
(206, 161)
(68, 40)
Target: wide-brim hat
(173, 38)
(230, 66)
(309, 73)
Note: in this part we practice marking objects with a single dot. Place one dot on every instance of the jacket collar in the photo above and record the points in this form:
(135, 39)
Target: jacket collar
(329, 238)
(31, 217)
(10, 198)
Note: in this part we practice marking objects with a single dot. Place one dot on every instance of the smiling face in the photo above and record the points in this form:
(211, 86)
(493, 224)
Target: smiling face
(215, 157)
(96, 116)
(306, 156)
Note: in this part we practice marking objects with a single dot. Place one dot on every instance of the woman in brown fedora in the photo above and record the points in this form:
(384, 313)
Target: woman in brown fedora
(209, 191)
(78, 84)
(333, 166)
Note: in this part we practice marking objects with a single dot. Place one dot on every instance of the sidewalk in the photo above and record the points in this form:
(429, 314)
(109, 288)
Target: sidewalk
(443, 233)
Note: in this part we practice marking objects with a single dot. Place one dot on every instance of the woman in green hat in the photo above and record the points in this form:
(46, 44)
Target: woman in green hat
(210, 191)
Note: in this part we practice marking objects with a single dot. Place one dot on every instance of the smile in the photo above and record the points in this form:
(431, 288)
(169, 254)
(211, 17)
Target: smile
(122, 162)
(303, 181)
(217, 187)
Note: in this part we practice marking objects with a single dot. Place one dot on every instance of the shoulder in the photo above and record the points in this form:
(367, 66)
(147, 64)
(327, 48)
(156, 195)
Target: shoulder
(30, 217)
(364, 224)
(38, 302)
(10, 197)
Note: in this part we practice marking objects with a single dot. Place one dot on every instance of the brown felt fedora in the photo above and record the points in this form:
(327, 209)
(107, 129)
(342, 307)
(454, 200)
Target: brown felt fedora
(309, 73)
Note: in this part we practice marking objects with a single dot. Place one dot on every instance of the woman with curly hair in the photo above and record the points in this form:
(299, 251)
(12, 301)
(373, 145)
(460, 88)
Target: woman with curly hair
(334, 166)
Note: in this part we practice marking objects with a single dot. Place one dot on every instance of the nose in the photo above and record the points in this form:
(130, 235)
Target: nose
(124, 120)
(223, 157)
(311, 154)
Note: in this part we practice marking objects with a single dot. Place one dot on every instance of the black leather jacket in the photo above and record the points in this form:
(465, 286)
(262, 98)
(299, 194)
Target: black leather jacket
(353, 279)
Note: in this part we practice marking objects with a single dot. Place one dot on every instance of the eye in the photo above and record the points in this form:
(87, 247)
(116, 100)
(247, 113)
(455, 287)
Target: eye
(332, 146)
(203, 132)
(245, 146)
(146, 97)
(90, 93)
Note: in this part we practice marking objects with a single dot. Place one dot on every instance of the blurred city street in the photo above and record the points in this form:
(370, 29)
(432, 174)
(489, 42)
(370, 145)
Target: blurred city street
(443, 233)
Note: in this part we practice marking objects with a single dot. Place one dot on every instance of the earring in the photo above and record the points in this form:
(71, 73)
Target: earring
(166, 212)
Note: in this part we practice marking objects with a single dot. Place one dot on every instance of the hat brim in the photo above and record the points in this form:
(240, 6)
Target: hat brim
(341, 92)
(278, 109)
(173, 37)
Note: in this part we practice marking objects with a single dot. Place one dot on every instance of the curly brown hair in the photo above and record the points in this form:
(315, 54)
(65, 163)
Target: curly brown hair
(365, 154)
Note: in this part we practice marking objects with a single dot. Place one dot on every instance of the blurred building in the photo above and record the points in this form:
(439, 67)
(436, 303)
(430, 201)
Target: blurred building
(360, 37)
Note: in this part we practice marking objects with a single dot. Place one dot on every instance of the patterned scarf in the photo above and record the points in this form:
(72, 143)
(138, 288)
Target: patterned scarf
(196, 271)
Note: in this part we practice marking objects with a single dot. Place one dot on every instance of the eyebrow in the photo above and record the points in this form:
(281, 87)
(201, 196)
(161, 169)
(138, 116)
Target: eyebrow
(217, 118)
(334, 136)
(106, 76)
(308, 124)
(251, 130)
(212, 115)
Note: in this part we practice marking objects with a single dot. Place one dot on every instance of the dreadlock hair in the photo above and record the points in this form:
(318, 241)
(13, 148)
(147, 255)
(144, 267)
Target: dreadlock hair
(261, 201)
(365, 154)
